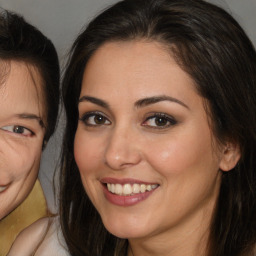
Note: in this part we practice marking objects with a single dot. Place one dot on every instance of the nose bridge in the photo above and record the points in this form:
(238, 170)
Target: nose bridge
(122, 149)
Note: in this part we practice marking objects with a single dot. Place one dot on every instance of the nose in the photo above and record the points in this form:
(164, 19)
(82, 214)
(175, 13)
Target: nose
(122, 150)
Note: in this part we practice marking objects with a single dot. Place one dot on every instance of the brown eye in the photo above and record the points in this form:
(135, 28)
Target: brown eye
(160, 121)
(99, 119)
(92, 119)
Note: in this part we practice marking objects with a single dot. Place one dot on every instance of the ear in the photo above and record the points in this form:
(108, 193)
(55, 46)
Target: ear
(230, 156)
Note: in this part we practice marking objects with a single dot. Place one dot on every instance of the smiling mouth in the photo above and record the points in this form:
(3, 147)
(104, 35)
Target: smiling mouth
(3, 188)
(130, 189)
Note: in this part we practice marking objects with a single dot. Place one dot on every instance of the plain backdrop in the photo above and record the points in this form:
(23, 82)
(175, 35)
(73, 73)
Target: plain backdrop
(61, 21)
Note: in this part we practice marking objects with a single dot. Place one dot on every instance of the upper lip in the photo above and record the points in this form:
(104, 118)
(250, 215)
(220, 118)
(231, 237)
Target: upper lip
(125, 181)
(5, 184)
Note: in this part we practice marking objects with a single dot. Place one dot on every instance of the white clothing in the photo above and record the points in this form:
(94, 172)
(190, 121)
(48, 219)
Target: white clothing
(42, 238)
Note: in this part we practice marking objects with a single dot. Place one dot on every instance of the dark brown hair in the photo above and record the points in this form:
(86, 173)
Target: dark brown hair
(215, 51)
(21, 41)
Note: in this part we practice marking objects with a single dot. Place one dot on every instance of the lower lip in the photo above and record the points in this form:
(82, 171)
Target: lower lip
(126, 200)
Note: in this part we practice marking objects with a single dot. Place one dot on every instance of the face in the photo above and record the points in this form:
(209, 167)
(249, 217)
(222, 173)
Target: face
(21, 134)
(143, 146)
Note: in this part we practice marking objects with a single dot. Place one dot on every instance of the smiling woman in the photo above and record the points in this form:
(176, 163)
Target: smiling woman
(112, 152)
(22, 133)
(29, 99)
(159, 149)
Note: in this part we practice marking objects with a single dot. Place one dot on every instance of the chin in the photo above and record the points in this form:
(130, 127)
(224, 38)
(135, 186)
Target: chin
(125, 234)
(126, 229)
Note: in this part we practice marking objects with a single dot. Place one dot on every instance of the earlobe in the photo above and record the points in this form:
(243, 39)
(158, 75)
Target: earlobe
(230, 156)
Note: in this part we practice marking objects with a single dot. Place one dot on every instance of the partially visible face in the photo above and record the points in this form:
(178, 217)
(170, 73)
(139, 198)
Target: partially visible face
(21, 134)
(143, 146)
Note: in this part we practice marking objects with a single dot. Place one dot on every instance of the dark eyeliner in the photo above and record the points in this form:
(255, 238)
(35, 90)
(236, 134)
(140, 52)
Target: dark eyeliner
(172, 121)
(87, 115)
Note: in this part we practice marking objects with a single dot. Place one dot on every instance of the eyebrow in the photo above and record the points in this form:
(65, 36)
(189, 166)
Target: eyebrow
(94, 100)
(155, 99)
(140, 103)
(31, 117)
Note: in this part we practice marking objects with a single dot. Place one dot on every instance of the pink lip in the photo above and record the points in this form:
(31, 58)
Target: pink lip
(124, 200)
(5, 184)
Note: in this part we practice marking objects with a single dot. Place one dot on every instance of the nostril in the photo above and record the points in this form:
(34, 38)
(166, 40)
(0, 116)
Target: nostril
(121, 151)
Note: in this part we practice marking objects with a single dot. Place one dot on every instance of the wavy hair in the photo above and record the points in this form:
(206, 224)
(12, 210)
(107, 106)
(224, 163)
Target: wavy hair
(214, 50)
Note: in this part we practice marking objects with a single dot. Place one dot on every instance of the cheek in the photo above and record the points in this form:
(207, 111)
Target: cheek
(179, 154)
(22, 171)
(86, 152)
(26, 169)
(18, 161)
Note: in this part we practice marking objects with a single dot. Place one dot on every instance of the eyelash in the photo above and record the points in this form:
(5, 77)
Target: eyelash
(86, 117)
(24, 131)
(167, 120)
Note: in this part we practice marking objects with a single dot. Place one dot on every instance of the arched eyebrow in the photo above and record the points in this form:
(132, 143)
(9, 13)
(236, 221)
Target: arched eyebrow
(155, 99)
(31, 117)
(139, 103)
(94, 100)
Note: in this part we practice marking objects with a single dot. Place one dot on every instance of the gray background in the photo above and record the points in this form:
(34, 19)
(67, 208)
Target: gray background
(61, 21)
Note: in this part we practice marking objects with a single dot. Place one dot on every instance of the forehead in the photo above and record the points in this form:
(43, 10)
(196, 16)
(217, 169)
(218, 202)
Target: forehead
(137, 68)
(21, 87)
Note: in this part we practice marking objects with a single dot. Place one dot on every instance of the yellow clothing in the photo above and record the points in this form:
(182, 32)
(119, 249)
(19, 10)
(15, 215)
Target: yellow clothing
(32, 209)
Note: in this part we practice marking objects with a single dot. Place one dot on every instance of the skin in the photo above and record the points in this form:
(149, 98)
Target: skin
(181, 156)
(21, 133)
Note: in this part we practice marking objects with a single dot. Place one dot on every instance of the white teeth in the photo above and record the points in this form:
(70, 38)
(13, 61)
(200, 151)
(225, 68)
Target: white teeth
(136, 188)
(118, 189)
(148, 187)
(2, 188)
(112, 189)
(142, 188)
(129, 189)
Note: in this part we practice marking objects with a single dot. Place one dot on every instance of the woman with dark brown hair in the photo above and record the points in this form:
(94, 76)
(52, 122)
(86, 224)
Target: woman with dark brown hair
(159, 149)
(29, 104)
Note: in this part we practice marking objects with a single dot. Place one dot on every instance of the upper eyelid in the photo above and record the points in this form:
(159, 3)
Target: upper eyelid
(27, 122)
(25, 119)
(148, 115)
(160, 114)
(10, 125)
(93, 113)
